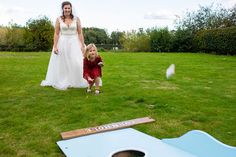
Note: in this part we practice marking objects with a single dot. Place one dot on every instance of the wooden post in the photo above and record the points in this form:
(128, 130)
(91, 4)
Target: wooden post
(106, 127)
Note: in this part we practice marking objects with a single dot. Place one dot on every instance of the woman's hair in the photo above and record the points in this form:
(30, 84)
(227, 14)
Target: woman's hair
(88, 47)
(62, 6)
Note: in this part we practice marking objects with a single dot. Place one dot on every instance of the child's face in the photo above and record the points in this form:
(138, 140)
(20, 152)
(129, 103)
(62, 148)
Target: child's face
(92, 53)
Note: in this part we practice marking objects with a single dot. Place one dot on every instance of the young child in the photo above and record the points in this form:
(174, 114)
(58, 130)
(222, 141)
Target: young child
(92, 68)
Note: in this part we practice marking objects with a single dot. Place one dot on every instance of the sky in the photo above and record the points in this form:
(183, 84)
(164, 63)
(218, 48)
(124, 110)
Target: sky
(112, 15)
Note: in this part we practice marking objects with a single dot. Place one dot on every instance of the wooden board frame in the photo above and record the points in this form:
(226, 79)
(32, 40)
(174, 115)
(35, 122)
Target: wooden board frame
(106, 127)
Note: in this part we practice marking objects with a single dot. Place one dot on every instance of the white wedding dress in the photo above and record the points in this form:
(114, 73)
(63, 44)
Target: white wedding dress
(66, 68)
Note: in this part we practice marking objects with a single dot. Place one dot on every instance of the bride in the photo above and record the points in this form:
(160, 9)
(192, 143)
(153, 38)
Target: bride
(65, 67)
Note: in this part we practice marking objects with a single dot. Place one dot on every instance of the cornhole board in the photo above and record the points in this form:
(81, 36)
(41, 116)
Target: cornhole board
(195, 143)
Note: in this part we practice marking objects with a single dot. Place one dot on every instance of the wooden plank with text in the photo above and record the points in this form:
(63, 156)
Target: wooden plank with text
(106, 127)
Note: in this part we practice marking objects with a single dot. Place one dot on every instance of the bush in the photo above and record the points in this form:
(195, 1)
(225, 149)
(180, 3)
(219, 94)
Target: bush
(136, 41)
(183, 41)
(39, 34)
(161, 40)
(219, 41)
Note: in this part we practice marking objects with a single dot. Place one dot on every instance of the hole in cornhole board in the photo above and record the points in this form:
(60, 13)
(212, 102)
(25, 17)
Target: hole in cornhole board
(129, 153)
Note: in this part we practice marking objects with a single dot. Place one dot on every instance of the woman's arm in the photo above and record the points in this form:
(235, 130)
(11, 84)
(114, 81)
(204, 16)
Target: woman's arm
(85, 69)
(81, 36)
(56, 36)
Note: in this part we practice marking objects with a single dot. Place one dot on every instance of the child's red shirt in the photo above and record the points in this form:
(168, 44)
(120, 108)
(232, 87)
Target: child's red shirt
(92, 69)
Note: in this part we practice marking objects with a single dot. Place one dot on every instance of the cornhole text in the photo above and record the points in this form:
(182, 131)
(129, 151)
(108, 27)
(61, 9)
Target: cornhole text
(106, 127)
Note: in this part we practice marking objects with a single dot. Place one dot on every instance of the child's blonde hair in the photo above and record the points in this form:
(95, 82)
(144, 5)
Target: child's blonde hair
(88, 47)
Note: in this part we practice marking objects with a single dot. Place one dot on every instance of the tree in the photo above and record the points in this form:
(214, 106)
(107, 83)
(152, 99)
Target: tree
(116, 37)
(231, 19)
(208, 17)
(136, 41)
(3, 32)
(182, 41)
(14, 39)
(95, 35)
(160, 40)
(39, 34)
(205, 19)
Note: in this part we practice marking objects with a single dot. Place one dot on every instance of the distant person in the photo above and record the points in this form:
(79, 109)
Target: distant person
(92, 68)
(65, 67)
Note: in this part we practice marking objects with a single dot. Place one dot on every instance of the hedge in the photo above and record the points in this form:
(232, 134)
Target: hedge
(219, 41)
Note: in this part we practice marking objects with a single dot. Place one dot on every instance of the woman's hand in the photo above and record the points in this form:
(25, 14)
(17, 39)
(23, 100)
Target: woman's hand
(83, 50)
(55, 50)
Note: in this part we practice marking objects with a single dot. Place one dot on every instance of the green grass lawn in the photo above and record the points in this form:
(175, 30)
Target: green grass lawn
(201, 95)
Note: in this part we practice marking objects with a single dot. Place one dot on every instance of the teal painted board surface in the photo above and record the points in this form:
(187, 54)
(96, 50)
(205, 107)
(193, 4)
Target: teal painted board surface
(109, 143)
(202, 144)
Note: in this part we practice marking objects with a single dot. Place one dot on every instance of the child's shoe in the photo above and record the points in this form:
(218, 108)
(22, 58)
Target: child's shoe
(88, 90)
(97, 92)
